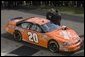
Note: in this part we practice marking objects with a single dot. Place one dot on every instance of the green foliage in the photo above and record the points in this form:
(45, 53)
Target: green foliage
(75, 10)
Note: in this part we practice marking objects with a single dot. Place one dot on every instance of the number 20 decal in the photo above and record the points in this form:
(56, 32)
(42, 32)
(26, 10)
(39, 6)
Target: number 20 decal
(33, 37)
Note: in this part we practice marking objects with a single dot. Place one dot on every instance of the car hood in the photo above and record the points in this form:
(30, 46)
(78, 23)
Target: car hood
(63, 35)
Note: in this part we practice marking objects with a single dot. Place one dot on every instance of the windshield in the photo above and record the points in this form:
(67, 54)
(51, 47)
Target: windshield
(49, 26)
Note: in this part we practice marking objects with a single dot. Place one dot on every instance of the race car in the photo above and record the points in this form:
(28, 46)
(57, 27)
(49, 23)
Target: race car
(43, 32)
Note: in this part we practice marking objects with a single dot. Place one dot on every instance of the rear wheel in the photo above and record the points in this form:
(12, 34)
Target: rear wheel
(17, 36)
(53, 46)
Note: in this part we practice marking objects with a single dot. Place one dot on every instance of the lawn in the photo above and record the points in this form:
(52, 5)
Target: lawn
(75, 10)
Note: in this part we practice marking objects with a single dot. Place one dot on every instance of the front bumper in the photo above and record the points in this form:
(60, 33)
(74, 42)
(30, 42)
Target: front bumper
(73, 47)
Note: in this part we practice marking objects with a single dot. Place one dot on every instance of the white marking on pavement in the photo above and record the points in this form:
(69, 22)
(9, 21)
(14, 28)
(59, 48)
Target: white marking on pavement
(8, 46)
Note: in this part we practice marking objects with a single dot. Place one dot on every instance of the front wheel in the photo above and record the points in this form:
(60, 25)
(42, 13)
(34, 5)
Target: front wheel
(53, 46)
(17, 36)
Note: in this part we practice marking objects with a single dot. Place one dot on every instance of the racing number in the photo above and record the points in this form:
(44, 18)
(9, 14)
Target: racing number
(33, 37)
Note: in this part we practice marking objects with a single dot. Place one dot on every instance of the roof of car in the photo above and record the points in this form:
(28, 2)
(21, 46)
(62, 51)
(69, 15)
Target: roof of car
(37, 20)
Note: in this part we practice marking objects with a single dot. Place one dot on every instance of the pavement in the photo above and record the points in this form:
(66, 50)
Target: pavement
(65, 15)
(9, 47)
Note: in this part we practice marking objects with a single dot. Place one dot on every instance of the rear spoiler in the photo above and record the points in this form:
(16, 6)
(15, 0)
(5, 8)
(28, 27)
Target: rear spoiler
(16, 18)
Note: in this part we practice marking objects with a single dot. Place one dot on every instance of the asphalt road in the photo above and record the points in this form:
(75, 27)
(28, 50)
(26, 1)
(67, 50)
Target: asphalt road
(9, 47)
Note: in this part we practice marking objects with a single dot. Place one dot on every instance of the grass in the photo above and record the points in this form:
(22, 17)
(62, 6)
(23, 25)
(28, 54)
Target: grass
(75, 10)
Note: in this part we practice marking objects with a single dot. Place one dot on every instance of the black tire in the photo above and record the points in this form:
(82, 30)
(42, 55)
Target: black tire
(53, 46)
(17, 36)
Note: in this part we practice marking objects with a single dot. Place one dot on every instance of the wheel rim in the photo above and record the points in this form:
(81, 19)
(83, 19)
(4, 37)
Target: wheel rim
(17, 36)
(53, 47)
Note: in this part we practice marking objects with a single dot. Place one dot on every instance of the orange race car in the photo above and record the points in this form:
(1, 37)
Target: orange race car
(42, 32)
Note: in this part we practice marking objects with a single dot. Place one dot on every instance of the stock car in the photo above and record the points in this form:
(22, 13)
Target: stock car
(42, 32)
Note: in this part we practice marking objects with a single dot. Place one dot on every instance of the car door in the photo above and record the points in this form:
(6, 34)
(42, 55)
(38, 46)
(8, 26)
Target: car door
(32, 33)
(36, 36)
(24, 29)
